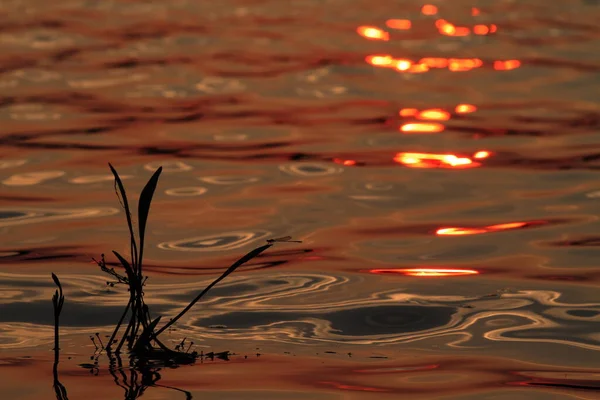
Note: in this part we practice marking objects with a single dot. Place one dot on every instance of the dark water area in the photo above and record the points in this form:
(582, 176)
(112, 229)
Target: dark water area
(439, 162)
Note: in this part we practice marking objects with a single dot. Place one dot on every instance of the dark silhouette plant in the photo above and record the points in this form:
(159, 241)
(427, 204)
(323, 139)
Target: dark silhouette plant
(141, 336)
(147, 354)
(58, 299)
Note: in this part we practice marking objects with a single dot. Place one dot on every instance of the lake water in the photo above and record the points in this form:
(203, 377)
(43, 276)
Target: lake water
(439, 163)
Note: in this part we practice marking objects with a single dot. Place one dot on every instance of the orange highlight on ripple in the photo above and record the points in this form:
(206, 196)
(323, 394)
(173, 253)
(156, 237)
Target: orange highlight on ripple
(426, 272)
(506, 65)
(510, 225)
(481, 154)
(408, 112)
(422, 127)
(459, 231)
(429, 9)
(481, 30)
(347, 163)
(465, 108)
(403, 65)
(434, 114)
(402, 24)
(456, 231)
(464, 64)
(461, 31)
(418, 68)
(429, 160)
(380, 60)
(434, 62)
(373, 33)
(445, 27)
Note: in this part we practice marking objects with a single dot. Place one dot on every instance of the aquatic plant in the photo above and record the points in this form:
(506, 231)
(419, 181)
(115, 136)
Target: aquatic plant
(58, 300)
(147, 354)
(141, 334)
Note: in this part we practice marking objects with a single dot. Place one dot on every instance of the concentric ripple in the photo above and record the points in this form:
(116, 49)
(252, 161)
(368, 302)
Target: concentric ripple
(222, 242)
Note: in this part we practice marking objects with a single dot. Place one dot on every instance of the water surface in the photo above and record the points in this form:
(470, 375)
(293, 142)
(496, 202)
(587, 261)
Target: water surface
(438, 161)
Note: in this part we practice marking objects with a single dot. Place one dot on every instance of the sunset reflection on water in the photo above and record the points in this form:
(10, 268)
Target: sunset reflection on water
(434, 163)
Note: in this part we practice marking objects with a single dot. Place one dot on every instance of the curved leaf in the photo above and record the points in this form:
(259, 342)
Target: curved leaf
(119, 184)
(144, 210)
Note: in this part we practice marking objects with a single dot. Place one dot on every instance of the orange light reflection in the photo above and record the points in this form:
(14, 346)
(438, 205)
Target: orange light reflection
(481, 154)
(347, 163)
(381, 60)
(429, 9)
(459, 231)
(408, 112)
(481, 30)
(402, 24)
(456, 231)
(429, 160)
(510, 225)
(422, 127)
(403, 65)
(461, 31)
(465, 108)
(434, 62)
(464, 64)
(374, 33)
(506, 65)
(418, 68)
(426, 272)
(475, 11)
(434, 114)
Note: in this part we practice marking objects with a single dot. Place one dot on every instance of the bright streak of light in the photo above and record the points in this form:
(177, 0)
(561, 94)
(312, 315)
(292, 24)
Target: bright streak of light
(434, 62)
(420, 127)
(448, 29)
(429, 9)
(506, 65)
(481, 154)
(481, 29)
(408, 112)
(464, 64)
(445, 27)
(426, 272)
(418, 68)
(382, 60)
(430, 160)
(373, 33)
(402, 24)
(461, 31)
(457, 231)
(465, 108)
(510, 225)
(347, 163)
(403, 65)
(434, 114)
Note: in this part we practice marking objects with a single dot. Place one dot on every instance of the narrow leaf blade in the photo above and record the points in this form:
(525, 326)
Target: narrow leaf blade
(233, 267)
(119, 184)
(56, 281)
(144, 208)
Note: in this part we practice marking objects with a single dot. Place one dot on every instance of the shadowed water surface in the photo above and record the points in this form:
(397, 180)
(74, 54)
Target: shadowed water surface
(438, 161)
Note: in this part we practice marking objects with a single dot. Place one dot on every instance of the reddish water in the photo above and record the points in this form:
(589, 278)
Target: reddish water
(438, 161)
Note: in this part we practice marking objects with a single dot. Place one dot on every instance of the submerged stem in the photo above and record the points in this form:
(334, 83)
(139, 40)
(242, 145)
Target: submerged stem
(112, 337)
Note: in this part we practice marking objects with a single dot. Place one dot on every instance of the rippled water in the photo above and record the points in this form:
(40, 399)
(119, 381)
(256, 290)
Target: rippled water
(439, 162)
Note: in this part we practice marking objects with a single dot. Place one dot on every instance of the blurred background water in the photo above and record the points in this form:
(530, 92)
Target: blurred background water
(438, 160)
